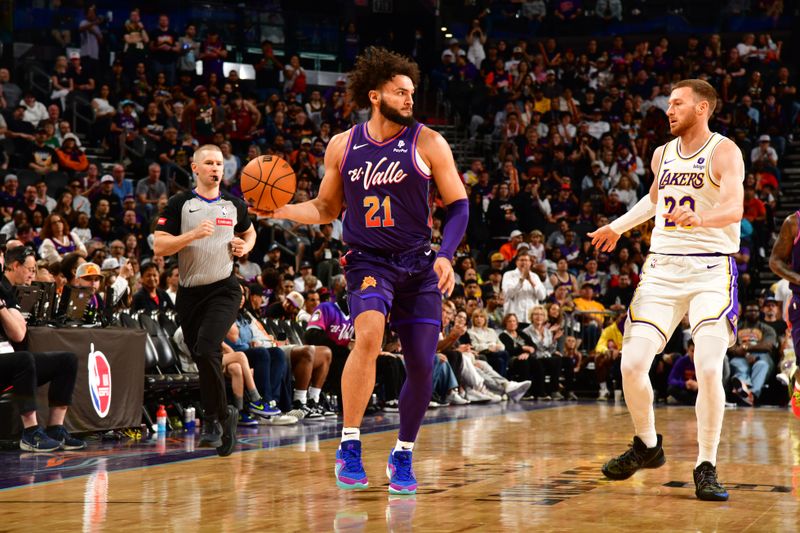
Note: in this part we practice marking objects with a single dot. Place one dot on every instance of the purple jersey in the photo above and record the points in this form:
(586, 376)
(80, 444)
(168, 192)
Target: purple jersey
(386, 187)
(331, 319)
(796, 257)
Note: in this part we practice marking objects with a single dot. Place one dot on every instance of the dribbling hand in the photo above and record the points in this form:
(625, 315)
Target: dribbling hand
(205, 229)
(604, 239)
(447, 280)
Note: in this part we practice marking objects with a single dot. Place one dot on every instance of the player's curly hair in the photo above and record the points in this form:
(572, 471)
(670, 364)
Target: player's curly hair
(374, 67)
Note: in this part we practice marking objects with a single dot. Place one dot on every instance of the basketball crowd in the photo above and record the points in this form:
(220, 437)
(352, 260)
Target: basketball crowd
(564, 135)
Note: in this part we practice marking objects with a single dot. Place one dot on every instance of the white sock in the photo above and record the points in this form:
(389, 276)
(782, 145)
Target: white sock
(710, 405)
(403, 446)
(637, 357)
(351, 434)
(603, 387)
(313, 394)
(301, 395)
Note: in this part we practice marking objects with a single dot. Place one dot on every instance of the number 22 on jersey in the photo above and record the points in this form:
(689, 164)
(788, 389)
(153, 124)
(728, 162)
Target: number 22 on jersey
(670, 206)
(374, 219)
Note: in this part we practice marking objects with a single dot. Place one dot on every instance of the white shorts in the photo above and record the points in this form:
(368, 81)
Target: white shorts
(705, 286)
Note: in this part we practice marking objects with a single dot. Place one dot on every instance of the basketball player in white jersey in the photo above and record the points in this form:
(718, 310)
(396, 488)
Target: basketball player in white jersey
(697, 199)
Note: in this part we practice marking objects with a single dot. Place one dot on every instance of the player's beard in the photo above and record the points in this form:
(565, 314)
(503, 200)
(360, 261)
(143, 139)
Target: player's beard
(390, 113)
(682, 127)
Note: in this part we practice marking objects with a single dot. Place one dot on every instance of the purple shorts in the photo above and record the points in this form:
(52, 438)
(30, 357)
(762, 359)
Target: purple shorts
(402, 287)
(794, 320)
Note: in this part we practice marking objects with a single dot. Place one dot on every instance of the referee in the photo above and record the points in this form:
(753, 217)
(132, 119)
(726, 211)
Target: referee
(207, 229)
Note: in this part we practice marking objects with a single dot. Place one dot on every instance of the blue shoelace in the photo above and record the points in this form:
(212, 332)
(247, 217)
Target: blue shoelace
(352, 460)
(402, 462)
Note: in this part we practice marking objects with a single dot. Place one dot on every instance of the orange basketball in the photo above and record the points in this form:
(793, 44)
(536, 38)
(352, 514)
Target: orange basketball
(268, 182)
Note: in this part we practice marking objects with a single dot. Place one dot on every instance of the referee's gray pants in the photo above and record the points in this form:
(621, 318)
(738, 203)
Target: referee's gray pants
(206, 313)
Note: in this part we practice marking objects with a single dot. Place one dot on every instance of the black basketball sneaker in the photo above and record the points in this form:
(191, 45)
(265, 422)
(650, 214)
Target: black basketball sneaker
(707, 487)
(638, 456)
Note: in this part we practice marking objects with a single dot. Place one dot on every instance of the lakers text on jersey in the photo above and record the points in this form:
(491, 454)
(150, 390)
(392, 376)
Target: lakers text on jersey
(689, 181)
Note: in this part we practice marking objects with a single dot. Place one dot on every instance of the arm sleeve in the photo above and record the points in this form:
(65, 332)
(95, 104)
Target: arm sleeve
(644, 210)
(243, 222)
(455, 226)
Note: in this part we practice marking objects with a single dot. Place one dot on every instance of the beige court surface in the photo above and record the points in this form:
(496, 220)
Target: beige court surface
(511, 470)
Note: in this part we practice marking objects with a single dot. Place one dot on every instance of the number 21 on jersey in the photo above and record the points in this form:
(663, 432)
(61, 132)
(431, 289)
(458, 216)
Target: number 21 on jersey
(375, 219)
(670, 206)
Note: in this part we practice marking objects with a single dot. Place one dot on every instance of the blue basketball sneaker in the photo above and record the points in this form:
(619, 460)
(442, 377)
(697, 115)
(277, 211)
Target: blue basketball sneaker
(401, 473)
(349, 471)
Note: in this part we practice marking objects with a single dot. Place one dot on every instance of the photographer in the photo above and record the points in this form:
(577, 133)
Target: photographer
(25, 371)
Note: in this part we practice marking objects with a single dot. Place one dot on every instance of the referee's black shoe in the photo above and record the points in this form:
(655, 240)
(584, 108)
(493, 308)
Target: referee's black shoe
(707, 487)
(638, 456)
(229, 426)
(211, 434)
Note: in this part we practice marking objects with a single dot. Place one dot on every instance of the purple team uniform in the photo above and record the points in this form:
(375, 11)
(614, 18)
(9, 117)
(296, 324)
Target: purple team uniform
(387, 226)
(331, 319)
(794, 303)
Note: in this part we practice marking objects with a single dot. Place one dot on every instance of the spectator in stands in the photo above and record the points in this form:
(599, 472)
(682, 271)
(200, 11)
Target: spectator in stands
(125, 128)
(10, 92)
(591, 324)
(29, 205)
(562, 277)
(607, 358)
(150, 297)
(547, 356)
(236, 367)
(150, 190)
(104, 113)
(57, 240)
(35, 111)
(618, 297)
(42, 158)
(60, 82)
(524, 365)
(70, 157)
(24, 371)
(164, 50)
(486, 343)
(106, 192)
(522, 287)
(91, 37)
(286, 309)
(42, 198)
(212, 53)
(751, 358)
(682, 382)
(327, 252)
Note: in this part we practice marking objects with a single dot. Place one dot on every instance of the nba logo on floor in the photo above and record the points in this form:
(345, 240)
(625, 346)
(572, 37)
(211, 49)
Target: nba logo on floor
(99, 381)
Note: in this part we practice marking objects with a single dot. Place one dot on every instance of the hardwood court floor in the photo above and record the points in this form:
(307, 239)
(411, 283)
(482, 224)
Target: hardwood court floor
(507, 468)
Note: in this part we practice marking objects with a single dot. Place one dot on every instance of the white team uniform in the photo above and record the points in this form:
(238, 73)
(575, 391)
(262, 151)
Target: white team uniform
(687, 268)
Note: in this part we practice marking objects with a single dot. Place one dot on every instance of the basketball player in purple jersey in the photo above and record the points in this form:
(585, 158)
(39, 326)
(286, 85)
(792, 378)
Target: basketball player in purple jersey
(785, 262)
(382, 169)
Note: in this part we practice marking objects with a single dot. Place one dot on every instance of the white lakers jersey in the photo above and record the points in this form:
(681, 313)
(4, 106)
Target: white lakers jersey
(686, 180)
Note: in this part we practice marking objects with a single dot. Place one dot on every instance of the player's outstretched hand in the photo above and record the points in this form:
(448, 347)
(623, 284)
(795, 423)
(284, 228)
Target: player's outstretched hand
(604, 239)
(683, 216)
(238, 247)
(205, 229)
(447, 280)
